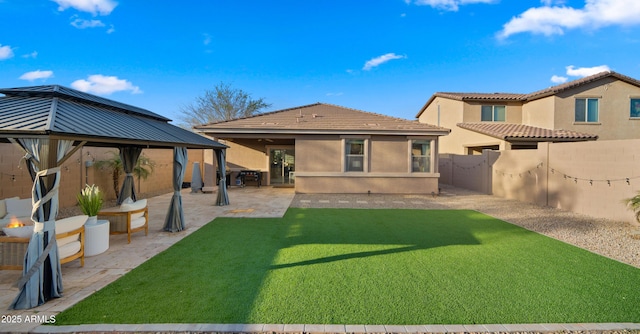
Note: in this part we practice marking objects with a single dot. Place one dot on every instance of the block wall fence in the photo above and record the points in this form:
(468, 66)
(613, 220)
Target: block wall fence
(591, 178)
(15, 180)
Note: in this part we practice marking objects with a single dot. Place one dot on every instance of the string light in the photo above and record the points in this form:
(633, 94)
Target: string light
(526, 172)
(468, 167)
(575, 179)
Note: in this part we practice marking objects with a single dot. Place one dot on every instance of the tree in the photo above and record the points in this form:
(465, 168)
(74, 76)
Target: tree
(144, 167)
(221, 103)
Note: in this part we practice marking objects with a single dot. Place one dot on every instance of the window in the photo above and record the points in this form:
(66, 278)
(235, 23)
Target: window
(493, 113)
(635, 108)
(421, 156)
(587, 110)
(354, 155)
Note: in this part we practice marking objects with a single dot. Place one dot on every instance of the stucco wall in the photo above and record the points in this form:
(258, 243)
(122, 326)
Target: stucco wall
(613, 110)
(246, 154)
(361, 184)
(450, 114)
(591, 178)
(539, 113)
(74, 174)
(389, 154)
(319, 167)
(318, 154)
(453, 112)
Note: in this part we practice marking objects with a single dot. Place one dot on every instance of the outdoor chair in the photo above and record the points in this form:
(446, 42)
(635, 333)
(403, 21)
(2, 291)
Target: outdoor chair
(70, 237)
(127, 218)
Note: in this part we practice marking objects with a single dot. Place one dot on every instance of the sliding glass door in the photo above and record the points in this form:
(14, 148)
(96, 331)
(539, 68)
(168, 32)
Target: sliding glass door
(282, 166)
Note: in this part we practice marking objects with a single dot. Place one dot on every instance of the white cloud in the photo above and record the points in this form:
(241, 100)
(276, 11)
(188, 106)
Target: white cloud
(33, 55)
(450, 5)
(335, 94)
(207, 39)
(5, 52)
(586, 71)
(381, 60)
(554, 20)
(83, 24)
(100, 84)
(552, 2)
(35, 75)
(95, 7)
(111, 29)
(579, 72)
(556, 79)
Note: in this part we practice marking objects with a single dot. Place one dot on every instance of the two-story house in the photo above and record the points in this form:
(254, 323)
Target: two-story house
(602, 106)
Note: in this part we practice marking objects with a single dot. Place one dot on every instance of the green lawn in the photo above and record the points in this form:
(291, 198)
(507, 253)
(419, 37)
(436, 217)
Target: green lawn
(350, 266)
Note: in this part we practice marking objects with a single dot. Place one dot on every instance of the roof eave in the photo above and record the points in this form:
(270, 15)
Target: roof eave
(434, 132)
(547, 139)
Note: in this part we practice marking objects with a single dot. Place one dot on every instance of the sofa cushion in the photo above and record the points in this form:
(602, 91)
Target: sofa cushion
(69, 239)
(70, 224)
(138, 222)
(3, 206)
(18, 207)
(68, 249)
(137, 205)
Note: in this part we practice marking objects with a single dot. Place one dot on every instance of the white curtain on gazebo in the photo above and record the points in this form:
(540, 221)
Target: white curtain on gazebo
(42, 278)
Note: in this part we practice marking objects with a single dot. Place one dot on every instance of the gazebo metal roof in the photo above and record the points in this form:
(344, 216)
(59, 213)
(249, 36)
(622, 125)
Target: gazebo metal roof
(65, 113)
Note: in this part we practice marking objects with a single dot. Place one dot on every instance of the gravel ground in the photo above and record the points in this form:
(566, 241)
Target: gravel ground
(613, 239)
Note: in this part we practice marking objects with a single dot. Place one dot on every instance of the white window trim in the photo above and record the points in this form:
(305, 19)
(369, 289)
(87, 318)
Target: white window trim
(343, 162)
(432, 158)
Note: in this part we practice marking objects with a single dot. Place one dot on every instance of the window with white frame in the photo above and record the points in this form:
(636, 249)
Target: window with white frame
(493, 113)
(587, 110)
(421, 156)
(354, 155)
(635, 108)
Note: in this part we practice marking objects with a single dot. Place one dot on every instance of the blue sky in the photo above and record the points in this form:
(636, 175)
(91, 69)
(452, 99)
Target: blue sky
(384, 56)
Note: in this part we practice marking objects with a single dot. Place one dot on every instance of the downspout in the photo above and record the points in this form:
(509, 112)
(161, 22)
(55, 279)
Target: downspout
(547, 176)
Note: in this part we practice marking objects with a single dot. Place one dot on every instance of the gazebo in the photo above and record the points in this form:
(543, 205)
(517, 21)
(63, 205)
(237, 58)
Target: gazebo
(52, 122)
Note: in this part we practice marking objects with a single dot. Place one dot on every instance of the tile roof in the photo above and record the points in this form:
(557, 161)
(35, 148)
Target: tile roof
(508, 97)
(579, 82)
(482, 96)
(509, 131)
(321, 118)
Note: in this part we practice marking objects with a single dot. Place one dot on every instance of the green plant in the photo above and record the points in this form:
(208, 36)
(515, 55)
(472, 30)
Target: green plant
(633, 203)
(90, 200)
(143, 169)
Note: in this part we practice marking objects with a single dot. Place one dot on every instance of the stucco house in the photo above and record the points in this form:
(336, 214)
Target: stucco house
(602, 106)
(324, 148)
